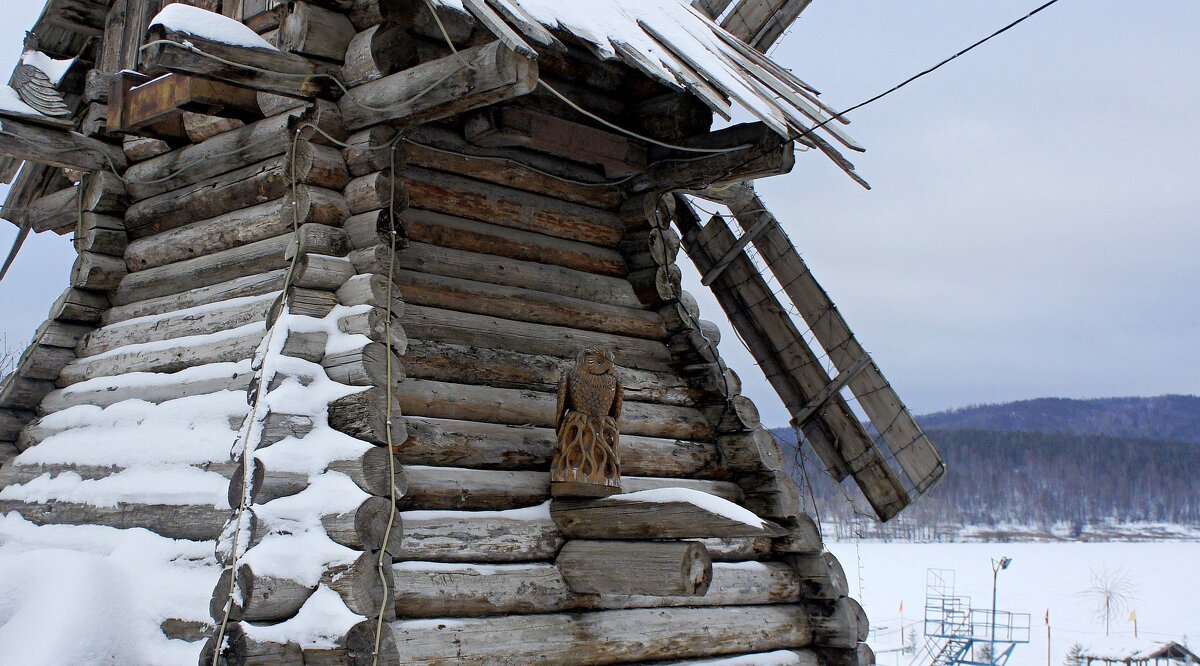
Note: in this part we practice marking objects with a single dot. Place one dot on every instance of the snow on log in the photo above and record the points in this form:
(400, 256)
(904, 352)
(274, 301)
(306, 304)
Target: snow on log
(664, 513)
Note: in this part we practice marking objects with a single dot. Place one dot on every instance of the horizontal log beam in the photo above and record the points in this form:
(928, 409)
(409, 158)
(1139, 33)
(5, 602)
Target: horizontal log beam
(58, 147)
(649, 568)
(441, 88)
(259, 69)
(756, 151)
(658, 517)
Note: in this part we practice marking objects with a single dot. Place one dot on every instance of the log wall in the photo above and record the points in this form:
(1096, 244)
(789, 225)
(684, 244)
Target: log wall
(508, 258)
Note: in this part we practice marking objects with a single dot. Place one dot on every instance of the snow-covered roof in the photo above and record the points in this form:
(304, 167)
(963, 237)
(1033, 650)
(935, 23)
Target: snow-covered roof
(1133, 649)
(675, 44)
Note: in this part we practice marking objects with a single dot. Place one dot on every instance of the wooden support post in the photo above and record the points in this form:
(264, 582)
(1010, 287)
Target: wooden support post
(652, 568)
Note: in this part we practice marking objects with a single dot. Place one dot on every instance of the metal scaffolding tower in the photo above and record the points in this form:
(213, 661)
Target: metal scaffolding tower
(957, 634)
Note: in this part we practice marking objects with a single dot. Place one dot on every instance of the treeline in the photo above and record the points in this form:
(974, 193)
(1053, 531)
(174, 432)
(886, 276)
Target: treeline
(1045, 481)
(1167, 417)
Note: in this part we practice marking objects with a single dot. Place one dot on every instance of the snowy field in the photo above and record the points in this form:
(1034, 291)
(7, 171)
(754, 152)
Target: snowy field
(1163, 578)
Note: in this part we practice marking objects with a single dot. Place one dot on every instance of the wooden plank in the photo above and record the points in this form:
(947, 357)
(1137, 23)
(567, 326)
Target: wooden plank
(184, 521)
(172, 94)
(603, 637)
(258, 69)
(430, 589)
(912, 449)
(648, 568)
(629, 518)
(791, 366)
(464, 197)
(757, 152)
(59, 210)
(489, 446)
(238, 262)
(58, 147)
(252, 285)
(446, 400)
(510, 127)
(441, 88)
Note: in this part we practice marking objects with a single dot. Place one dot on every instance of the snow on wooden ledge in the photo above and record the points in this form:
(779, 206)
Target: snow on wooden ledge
(207, 25)
(697, 498)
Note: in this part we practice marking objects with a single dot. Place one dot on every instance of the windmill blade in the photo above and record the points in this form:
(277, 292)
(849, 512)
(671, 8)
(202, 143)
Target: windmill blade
(897, 428)
(22, 234)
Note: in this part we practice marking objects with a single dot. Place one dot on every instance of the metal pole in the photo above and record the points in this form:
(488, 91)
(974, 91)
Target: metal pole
(995, 575)
(1047, 644)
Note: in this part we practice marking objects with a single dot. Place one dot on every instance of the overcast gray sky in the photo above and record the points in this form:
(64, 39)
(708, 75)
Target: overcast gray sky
(1032, 229)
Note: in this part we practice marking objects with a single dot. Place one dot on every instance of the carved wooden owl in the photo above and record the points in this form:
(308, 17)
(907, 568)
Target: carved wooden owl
(592, 387)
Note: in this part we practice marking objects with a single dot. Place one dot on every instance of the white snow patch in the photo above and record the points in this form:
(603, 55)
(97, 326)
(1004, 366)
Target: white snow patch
(169, 486)
(210, 26)
(529, 513)
(195, 310)
(777, 658)
(10, 102)
(197, 373)
(53, 68)
(338, 341)
(699, 499)
(416, 566)
(96, 595)
(321, 622)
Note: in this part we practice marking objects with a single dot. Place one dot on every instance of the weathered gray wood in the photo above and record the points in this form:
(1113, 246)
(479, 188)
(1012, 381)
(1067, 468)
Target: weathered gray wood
(102, 394)
(100, 234)
(465, 328)
(217, 195)
(311, 30)
(201, 127)
(751, 451)
(317, 164)
(274, 71)
(23, 393)
(318, 239)
(370, 150)
(821, 576)
(319, 271)
(383, 49)
(251, 285)
(79, 306)
(792, 368)
(515, 127)
(804, 538)
(374, 191)
(650, 568)
(373, 325)
(532, 275)
(371, 289)
(367, 366)
(458, 488)
(423, 397)
(363, 415)
(229, 230)
(25, 472)
(40, 361)
(508, 207)
(490, 446)
(185, 353)
(97, 272)
(12, 421)
(603, 637)
(188, 324)
(841, 625)
(912, 449)
(266, 598)
(439, 590)
(634, 519)
(185, 521)
(449, 88)
(425, 359)
(764, 154)
(371, 472)
(363, 528)
(242, 261)
(439, 149)
(485, 238)
(58, 147)
(103, 192)
(54, 211)
(526, 305)
(239, 648)
(520, 535)
(141, 148)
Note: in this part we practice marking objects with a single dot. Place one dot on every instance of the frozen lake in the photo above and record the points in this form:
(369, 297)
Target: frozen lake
(1164, 580)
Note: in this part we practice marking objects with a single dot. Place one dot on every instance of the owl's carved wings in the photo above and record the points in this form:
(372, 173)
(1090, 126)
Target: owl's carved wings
(618, 400)
(35, 89)
(564, 390)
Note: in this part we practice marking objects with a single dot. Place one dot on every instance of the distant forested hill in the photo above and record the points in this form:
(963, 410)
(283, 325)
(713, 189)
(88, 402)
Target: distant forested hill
(1168, 417)
(1003, 471)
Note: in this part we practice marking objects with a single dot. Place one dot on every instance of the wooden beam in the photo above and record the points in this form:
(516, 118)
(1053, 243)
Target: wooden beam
(760, 23)
(258, 69)
(85, 17)
(441, 88)
(523, 128)
(651, 568)
(172, 94)
(791, 366)
(58, 147)
(666, 513)
(754, 151)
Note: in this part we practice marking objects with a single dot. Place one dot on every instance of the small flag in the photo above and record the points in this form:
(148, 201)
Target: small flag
(1047, 617)
(902, 607)
(1133, 615)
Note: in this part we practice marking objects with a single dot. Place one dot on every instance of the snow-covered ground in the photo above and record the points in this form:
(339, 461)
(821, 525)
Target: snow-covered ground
(1163, 579)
